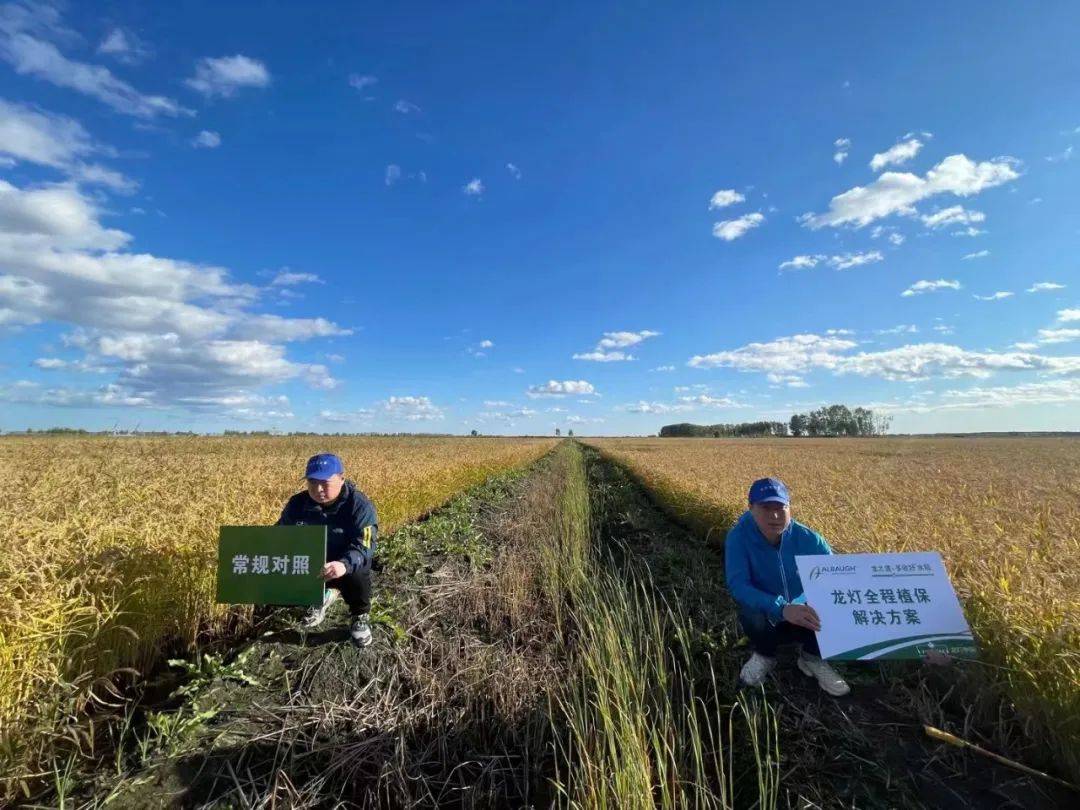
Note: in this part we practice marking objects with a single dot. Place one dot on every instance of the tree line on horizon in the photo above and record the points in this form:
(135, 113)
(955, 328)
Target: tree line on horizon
(828, 420)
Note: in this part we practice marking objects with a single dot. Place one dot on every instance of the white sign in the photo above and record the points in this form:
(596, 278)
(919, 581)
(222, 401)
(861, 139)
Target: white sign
(884, 606)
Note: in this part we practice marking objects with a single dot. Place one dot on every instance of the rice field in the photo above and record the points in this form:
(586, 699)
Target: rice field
(110, 549)
(1004, 513)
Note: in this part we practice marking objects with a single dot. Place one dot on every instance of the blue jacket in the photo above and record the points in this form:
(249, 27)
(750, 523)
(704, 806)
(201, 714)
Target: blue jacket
(761, 577)
(351, 525)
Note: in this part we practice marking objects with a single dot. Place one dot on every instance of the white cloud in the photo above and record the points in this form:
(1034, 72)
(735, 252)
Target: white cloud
(802, 262)
(555, 388)
(622, 340)
(30, 393)
(56, 141)
(707, 401)
(515, 172)
(1050, 392)
(124, 46)
(507, 416)
(206, 140)
(1045, 286)
(653, 407)
(474, 188)
(724, 198)
(901, 329)
(573, 419)
(171, 330)
(57, 216)
(58, 364)
(924, 286)
(223, 76)
(953, 215)
(274, 328)
(29, 55)
(732, 229)
(496, 403)
(1060, 157)
(287, 278)
(898, 192)
(609, 347)
(801, 353)
(663, 368)
(413, 409)
(842, 146)
(682, 404)
(790, 380)
(921, 361)
(393, 174)
(978, 254)
(406, 107)
(342, 417)
(361, 82)
(1058, 335)
(486, 344)
(895, 155)
(994, 296)
(94, 174)
(786, 355)
(849, 260)
(603, 357)
(840, 262)
(1068, 315)
(40, 137)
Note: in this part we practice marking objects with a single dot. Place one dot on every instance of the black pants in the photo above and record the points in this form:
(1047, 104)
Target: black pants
(765, 637)
(355, 589)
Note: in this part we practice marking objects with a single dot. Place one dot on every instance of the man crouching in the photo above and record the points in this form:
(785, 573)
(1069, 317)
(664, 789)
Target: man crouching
(351, 530)
(759, 562)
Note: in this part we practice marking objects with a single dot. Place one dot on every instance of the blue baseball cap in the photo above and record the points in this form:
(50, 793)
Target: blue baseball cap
(765, 490)
(324, 466)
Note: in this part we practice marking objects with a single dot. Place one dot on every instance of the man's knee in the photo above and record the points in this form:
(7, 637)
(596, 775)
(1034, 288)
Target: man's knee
(755, 623)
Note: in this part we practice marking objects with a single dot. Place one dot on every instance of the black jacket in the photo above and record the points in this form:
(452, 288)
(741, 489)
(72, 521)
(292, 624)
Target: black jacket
(352, 526)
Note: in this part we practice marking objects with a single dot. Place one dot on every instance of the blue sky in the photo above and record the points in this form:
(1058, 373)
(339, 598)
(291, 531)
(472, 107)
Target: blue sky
(512, 217)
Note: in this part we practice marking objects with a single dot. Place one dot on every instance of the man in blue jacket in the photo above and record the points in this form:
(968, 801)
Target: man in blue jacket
(759, 560)
(351, 531)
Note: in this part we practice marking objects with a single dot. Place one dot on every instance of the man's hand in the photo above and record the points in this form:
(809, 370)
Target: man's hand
(333, 570)
(802, 616)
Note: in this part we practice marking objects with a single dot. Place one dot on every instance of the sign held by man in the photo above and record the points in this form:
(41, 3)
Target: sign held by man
(880, 606)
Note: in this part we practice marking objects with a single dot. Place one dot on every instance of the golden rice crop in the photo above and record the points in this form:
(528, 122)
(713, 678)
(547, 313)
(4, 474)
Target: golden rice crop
(1004, 513)
(110, 547)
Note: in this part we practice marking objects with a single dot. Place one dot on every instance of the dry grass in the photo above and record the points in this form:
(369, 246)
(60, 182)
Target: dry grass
(1005, 514)
(110, 547)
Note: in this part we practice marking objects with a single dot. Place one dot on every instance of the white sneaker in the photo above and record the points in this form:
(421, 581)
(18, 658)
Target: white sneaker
(360, 630)
(827, 677)
(315, 615)
(756, 669)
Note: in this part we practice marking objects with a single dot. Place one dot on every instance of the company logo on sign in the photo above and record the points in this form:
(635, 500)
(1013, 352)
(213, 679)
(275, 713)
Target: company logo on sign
(819, 571)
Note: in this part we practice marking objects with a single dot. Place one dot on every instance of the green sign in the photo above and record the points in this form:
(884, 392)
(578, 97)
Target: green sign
(271, 565)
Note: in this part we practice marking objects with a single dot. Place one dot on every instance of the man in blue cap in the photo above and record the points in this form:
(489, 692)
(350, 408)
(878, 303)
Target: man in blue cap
(351, 531)
(759, 561)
